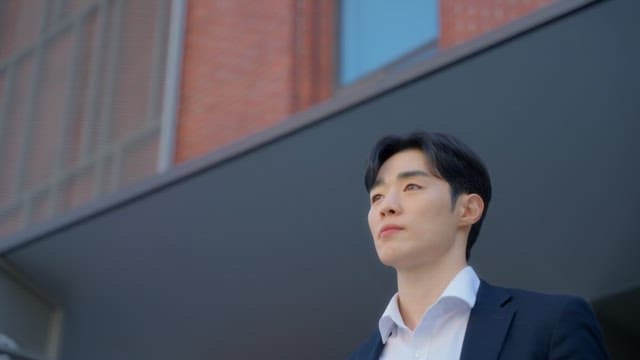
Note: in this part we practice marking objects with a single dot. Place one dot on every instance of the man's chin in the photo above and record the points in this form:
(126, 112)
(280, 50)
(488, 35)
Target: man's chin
(403, 261)
(393, 260)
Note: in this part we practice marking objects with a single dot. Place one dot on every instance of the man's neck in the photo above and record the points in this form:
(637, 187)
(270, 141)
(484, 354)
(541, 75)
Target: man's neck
(420, 288)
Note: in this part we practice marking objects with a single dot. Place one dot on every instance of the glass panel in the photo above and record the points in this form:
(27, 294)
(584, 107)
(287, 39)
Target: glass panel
(50, 110)
(376, 32)
(82, 122)
(13, 136)
(10, 220)
(20, 22)
(74, 6)
(78, 188)
(85, 110)
(139, 159)
(135, 66)
(40, 206)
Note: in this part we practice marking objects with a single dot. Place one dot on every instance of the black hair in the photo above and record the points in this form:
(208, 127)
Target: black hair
(452, 161)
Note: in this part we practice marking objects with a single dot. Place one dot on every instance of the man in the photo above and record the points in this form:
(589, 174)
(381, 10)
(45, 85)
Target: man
(429, 194)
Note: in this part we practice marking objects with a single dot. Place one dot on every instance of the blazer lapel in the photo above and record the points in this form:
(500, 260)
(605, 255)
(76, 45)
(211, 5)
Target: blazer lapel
(370, 350)
(376, 351)
(488, 324)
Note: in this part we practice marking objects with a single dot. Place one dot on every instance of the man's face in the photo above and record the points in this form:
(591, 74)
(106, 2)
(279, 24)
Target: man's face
(411, 217)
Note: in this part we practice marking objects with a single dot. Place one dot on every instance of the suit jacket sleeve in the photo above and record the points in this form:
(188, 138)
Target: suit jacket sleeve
(577, 334)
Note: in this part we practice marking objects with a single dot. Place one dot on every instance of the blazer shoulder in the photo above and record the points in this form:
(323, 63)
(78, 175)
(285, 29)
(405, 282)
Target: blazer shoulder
(370, 349)
(570, 325)
(526, 299)
(538, 312)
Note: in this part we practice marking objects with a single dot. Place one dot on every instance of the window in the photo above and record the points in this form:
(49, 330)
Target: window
(374, 33)
(80, 100)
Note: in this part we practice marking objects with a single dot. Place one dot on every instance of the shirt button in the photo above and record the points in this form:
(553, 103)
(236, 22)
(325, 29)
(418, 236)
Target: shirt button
(418, 355)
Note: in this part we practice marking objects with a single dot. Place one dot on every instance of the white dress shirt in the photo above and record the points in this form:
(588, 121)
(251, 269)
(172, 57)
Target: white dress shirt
(440, 333)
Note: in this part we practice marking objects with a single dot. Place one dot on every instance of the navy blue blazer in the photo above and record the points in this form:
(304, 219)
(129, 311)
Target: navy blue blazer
(519, 325)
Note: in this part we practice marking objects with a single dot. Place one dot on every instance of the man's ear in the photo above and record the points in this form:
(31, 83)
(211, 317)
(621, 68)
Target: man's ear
(472, 208)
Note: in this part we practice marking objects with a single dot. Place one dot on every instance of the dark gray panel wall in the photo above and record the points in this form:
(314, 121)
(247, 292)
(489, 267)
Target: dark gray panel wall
(25, 317)
(268, 255)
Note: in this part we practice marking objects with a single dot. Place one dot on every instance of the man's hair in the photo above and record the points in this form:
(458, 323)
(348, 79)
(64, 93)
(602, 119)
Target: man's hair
(450, 159)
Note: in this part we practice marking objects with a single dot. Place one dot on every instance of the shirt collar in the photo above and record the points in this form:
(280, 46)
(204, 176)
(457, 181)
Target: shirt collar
(464, 286)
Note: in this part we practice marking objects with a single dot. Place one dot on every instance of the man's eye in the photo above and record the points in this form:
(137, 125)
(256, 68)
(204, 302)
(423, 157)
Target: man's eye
(375, 198)
(412, 187)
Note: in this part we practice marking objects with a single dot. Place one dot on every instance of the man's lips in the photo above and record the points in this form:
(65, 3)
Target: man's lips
(389, 229)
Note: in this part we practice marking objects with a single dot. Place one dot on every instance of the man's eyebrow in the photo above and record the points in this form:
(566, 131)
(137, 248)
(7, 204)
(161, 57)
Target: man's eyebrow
(412, 173)
(402, 175)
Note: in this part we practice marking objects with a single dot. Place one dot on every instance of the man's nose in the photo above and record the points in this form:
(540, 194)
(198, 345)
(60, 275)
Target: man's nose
(391, 205)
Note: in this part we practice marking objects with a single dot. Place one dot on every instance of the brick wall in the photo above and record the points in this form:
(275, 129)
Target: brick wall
(313, 70)
(463, 20)
(249, 64)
